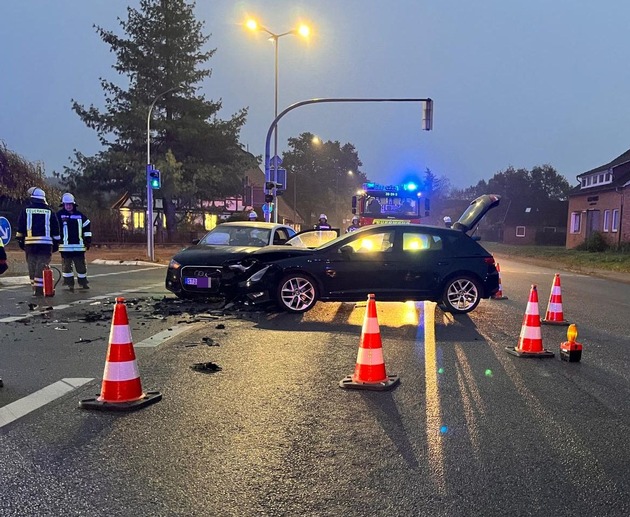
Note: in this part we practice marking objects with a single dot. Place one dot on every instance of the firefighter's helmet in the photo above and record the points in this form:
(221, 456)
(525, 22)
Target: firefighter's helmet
(323, 216)
(252, 216)
(68, 198)
(355, 219)
(38, 193)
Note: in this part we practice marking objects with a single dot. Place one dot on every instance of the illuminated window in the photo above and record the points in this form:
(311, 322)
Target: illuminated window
(209, 221)
(373, 243)
(125, 215)
(138, 220)
(420, 241)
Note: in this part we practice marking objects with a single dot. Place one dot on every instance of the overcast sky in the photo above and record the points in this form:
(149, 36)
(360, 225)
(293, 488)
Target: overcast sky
(519, 83)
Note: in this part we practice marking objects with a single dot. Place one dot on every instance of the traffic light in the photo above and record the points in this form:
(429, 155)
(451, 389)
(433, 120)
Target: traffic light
(427, 115)
(153, 177)
(270, 185)
(268, 198)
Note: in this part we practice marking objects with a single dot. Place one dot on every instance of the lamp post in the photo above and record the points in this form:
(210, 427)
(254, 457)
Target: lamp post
(304, 31)
(149, 223)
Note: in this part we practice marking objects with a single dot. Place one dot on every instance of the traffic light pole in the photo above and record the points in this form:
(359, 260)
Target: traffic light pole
(427, 125)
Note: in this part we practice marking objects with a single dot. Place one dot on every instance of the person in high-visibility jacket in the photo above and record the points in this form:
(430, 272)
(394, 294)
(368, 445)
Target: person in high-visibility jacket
(76, 238)
(38, 235)
(3, 258)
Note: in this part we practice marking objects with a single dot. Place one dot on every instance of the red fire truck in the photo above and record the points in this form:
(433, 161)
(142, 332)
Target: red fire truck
(391, 204)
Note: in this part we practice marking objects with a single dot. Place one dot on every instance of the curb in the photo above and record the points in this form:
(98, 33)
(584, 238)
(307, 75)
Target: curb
(126, 263)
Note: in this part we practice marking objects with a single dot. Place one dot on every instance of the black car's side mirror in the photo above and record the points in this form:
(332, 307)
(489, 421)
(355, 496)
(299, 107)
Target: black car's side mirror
(196, 241)
(346, 250)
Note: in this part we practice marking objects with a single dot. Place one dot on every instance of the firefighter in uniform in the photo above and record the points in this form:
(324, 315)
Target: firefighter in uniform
(355, 224)
(323, 223)
(3, 258)
(38, 235)
(76, 237)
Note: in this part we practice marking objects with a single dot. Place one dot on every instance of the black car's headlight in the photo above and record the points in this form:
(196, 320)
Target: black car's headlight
(257, 276)
(173, 264)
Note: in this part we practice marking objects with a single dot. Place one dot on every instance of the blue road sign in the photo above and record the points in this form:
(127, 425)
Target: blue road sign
(5, 230)
(276, 161)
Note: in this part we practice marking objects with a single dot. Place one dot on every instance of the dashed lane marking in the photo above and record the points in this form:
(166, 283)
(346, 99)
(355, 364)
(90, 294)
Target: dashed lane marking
(24, 406)
(11, 319)
(165, 335)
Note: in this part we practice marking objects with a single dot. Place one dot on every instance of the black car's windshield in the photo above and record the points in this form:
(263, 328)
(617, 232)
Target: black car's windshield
(236, 236)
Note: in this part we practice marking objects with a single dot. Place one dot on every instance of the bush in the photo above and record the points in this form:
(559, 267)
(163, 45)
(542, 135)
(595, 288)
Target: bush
(596, 243)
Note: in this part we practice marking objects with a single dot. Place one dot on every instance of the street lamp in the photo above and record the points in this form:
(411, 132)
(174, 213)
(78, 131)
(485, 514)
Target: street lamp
(149, 223)
(304, 31)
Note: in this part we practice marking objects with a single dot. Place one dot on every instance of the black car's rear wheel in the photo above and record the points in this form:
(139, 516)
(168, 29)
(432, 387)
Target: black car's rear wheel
(461, 294)
(297, 293)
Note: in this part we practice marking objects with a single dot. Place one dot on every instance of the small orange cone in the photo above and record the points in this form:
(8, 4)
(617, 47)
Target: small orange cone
(121, 389)
(554, 315)
(369, 372)
(530, 340)
(499, 294)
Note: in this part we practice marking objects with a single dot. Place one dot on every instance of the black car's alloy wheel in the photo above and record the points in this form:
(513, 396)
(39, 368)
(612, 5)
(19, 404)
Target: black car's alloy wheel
(297, 293)
(461, 295)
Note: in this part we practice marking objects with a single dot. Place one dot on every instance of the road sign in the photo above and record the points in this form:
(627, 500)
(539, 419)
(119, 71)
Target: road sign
(281, 178)
(276, 161)
(5, 230)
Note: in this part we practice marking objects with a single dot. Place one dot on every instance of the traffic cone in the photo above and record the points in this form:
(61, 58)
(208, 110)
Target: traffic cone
(530, 340)
(121, 389)
(499, 294)
(369, 372)
(554, 315)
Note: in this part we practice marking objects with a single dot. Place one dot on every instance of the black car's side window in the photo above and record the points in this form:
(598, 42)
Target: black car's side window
(418, 241)
(373, 243)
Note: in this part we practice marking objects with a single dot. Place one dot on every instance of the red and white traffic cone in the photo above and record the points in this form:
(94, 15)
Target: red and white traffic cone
(530, 341)
(499, 294)
(369, 372)
(555, 315)
(121, 389)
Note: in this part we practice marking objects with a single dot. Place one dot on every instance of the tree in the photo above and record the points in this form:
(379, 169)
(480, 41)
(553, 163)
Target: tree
(320, 174)
(17, 175)
(161, 58)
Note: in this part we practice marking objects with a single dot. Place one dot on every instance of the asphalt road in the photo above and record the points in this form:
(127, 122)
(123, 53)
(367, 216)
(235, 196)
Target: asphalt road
(470, 430)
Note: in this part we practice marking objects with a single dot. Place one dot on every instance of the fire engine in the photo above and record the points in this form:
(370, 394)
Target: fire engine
(391, 204)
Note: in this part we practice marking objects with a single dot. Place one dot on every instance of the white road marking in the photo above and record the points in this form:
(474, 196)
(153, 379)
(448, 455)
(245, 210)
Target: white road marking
(11, 319)
(163, 336)
(24, 406)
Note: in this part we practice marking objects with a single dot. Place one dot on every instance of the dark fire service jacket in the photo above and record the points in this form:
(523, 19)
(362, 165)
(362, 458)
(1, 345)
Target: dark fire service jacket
(38, 227)
(76, 234)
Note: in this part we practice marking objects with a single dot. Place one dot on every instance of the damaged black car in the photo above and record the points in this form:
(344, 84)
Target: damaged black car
(395, 262)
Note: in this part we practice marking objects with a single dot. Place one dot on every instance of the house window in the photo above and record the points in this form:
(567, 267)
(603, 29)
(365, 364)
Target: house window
(138, 220)
(520, 231)
(575, 222)
(615, 220)
(606, 220)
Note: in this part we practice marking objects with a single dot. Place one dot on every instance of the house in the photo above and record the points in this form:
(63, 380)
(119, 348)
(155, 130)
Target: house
(528, 223)
(206, 215)
(597, 204)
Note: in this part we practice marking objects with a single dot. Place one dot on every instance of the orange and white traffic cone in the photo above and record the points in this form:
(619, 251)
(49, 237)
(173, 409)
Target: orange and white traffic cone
(121, 389)
(554, 315)
(369, 372)
(499, 294)
(530, 341)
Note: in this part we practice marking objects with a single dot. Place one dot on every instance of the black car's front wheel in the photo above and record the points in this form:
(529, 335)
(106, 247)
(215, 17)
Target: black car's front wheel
(461, 294)
(297, 293)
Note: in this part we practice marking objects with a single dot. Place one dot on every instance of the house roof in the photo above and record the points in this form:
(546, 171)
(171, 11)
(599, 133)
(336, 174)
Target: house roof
(621, 159)
(620, 167)
(544, 213)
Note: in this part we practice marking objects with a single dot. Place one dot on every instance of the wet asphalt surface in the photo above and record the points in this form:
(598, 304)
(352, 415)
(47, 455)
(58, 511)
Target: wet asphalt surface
(253, 422)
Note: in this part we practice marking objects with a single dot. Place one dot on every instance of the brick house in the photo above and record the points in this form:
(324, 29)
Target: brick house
(597, 204)
(528, 223)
